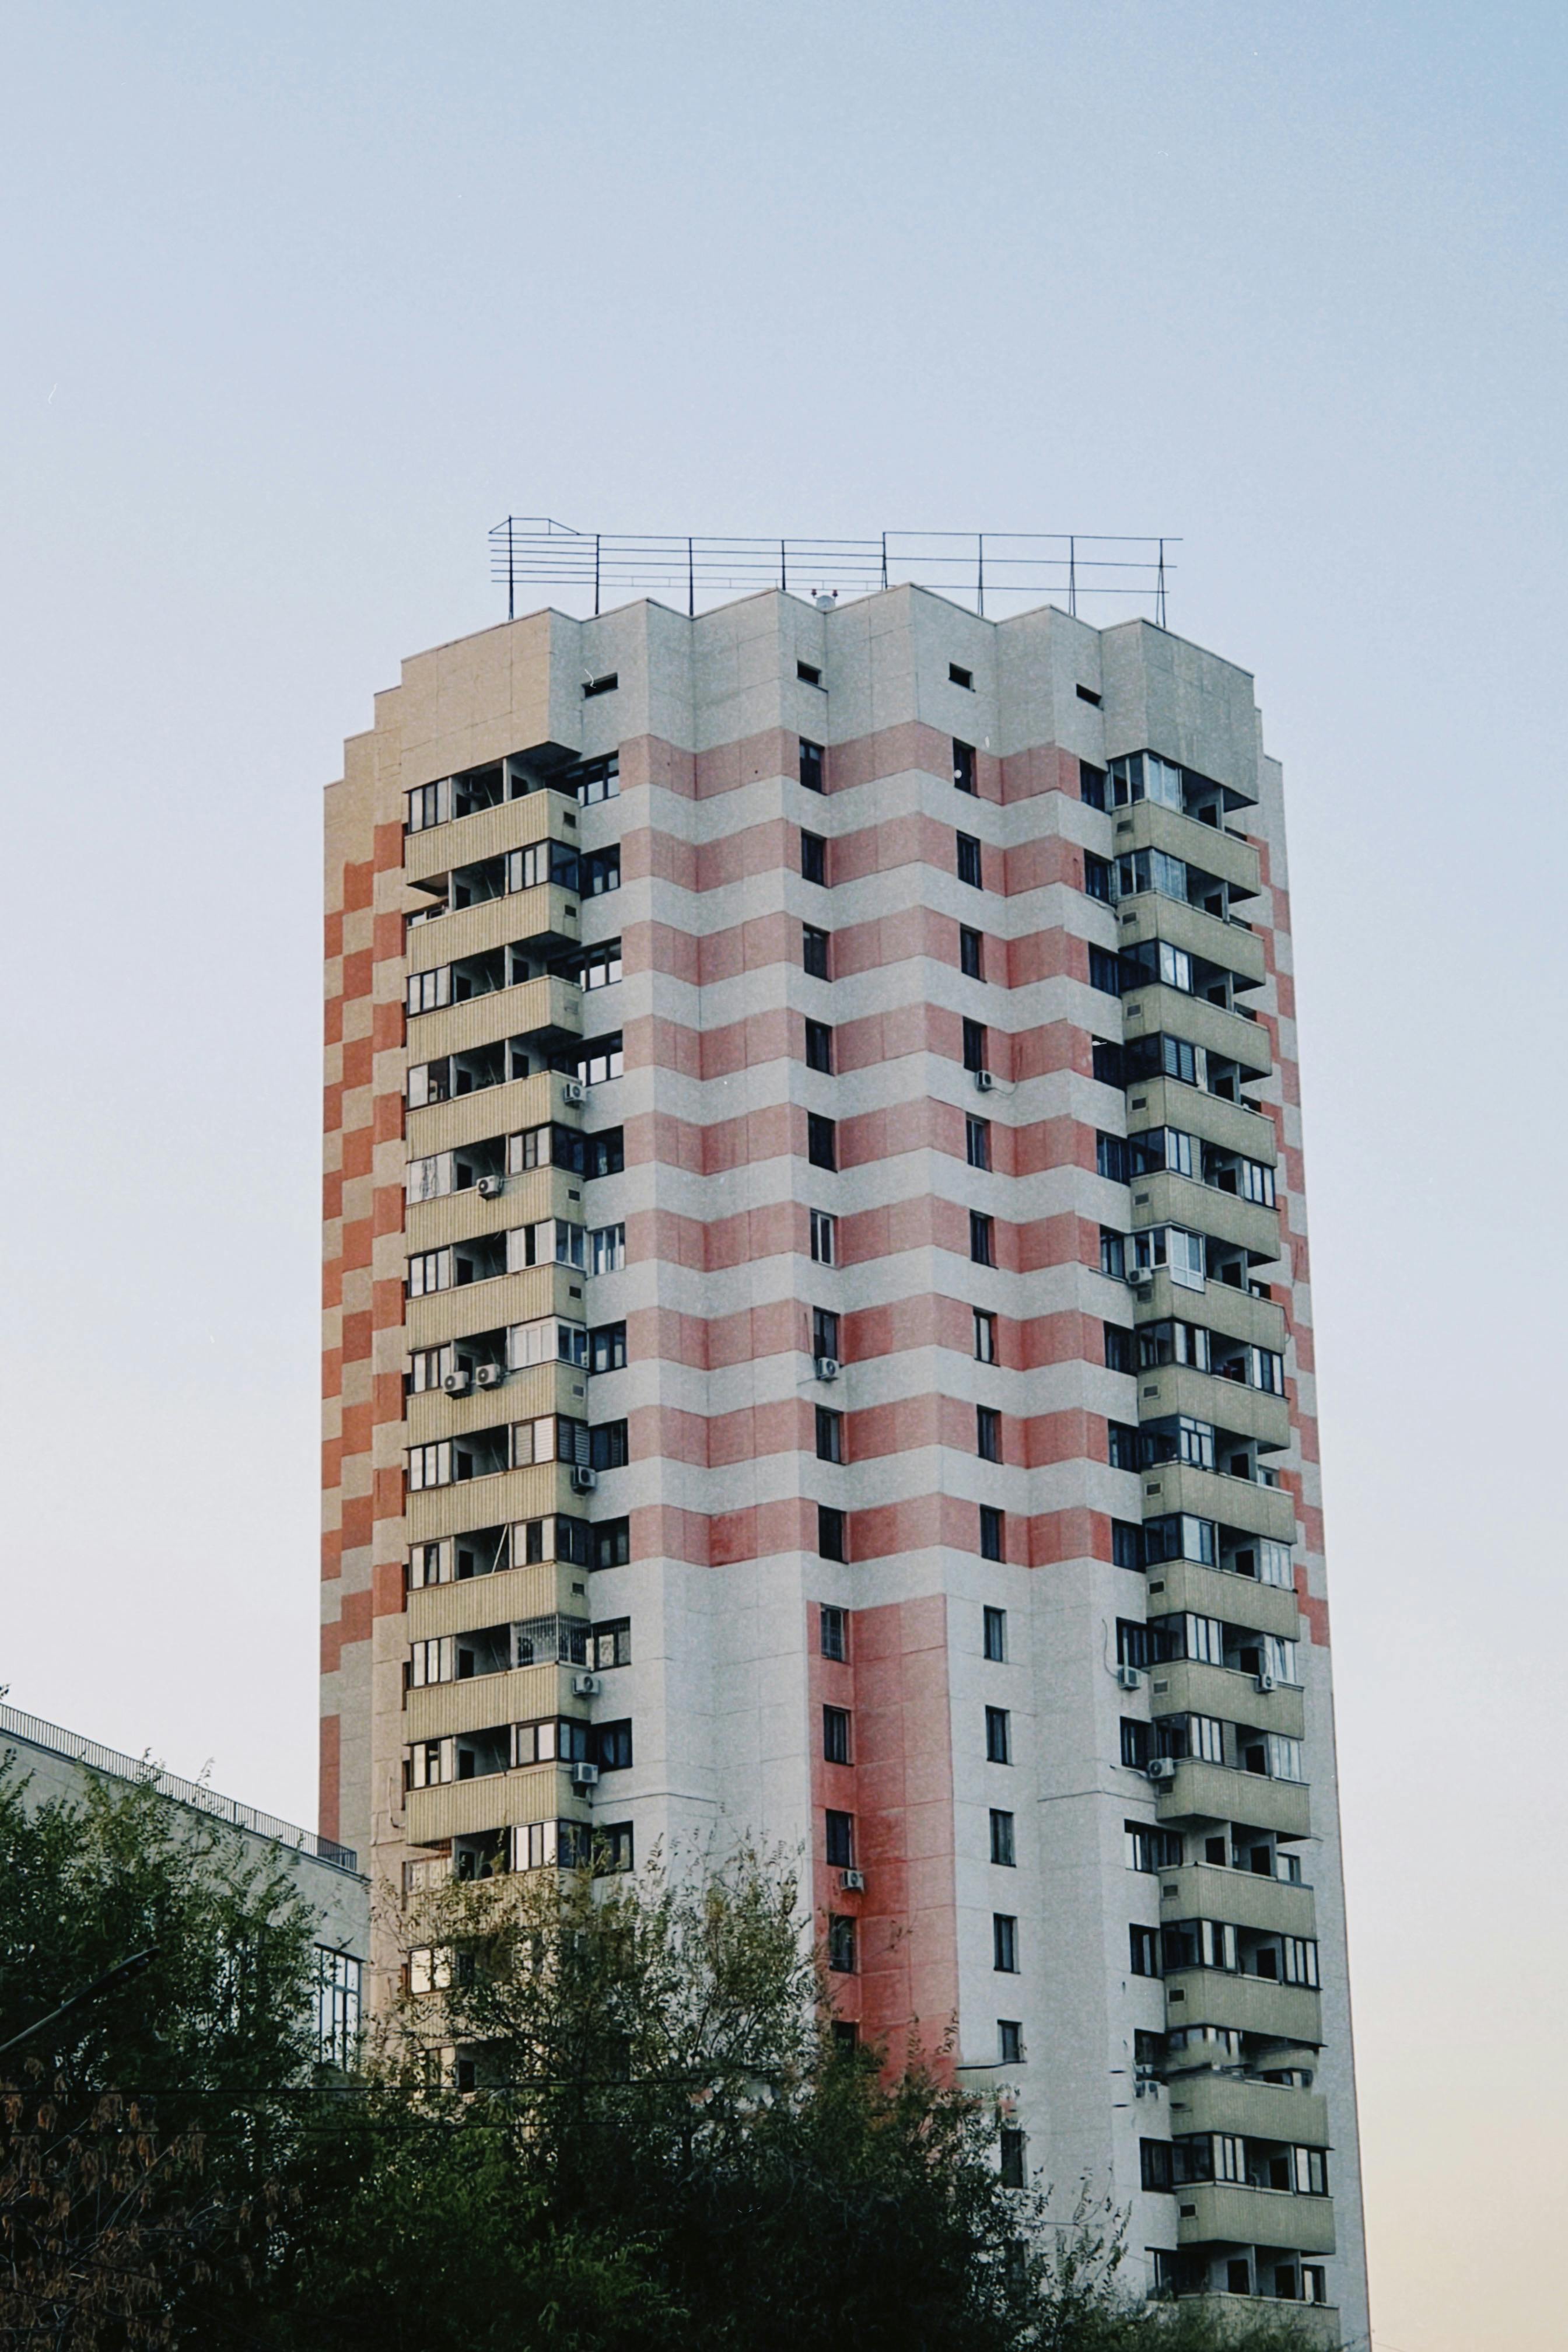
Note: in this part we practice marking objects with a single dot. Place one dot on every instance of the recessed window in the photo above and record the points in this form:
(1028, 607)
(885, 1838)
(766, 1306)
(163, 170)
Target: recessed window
(812, 766)
(1118, 1352)
(808, 672)
(836, 1735)
(969, 867)
(831, 1544)
(824, 1237)
(819, 1046)
(977, 1142)
(995, 1626)
(971, 952)
(839, 1840)
(1012, 2147)
(834, 1627)
(998, 1736)
(607, 1347)
(974, 1046)
(984, 1336)
(814, 950)
(992, 1532)
(606, 685)
(1088, 694)
(982, 1238)
(612, 1542)
(964, 765)
(1004, 1843)
(599, 870)
(825, 1333)
(841, 1945)
(1091, 784)
(988, 1432)
(1009, 2041)
(1004, 1951)
(821, 1141)
(1097, 877)
(959, 676)
(829, 1434)
(814, 859)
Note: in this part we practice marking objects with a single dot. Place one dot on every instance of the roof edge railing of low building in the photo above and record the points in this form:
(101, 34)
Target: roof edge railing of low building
(36, 1733)
(533, 551)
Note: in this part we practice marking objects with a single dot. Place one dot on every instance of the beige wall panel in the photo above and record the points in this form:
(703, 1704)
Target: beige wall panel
(541, 1793)
(1214, 1592)
(1198, 1689)
(1146, 1011)
(1218, 2103)
(1166, 1102)
(1215, 2211)
(510, 824)
(486, 1701)
(522, 1201)
(531, 1494)
(510, 1597)
(1220, 1307)
(1212, 1792)
(1249, 1412)
(1244, 1897)
(489, 1305)
(516, 920)
(1167, 1199)
(1232, 946)
(543, 1388)
(497, 1110)
(532, 1007)
(1260, 1510)
(1246, 2004)
(1151, 825)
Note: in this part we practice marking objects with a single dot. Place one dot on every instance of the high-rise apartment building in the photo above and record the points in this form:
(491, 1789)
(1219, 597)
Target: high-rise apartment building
(818, 1348)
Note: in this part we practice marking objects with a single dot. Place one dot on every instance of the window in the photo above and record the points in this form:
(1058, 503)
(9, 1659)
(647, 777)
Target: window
(430, 805)
(338, 1987)
(1118, 1348)
(829, 1434)
(1004, 1944)
(840, 1840)
(813, 770)
(612, 1746)
(1126, 1544)
(1137, 1743)
(1112, 1252)
(1097, 873)
(971, 952)
(607, 1445)
(984, 1336)
(597, 780)
(974, 1046)
(819, 1046)
(814, 950)
(825, 1333)
(594, 686)
(831, 1545)
(822, 1237)
(991, 1533)
(1105, 971)
(606, 1249)
(833, 1629)
(612, 1541)
(1012, 2144)
(965, 677)
(429, 1465)
(610, 1644)
(808, 672)
(1107, 1063)
(1155, 2163)
(1004, 1853)
(600, 967)
(814, 858)
(612, 1848)
(964, 765)
(988, 1432)
(1088, 694)
(607, 1347)
(841, 1944)
(599, 871)
(821, 1141)
(836, 1735)
(998, 1736)
(1111, 1158)
(982, 1238)
(1121, 1446)
(432, 1270)
(1151, 1850)
(1009, 2041)
(1091, 784)
(977, 1142)
(600, 1058)
(606, 1154)
(430, 990)
(1144, 1951)
(969, 867)
(994, 1623)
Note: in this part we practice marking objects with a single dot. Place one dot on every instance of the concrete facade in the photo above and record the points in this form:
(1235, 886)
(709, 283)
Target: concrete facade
(586, 1078)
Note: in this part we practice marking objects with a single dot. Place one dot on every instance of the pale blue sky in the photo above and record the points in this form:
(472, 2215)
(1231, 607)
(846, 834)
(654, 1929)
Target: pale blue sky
(299, 299)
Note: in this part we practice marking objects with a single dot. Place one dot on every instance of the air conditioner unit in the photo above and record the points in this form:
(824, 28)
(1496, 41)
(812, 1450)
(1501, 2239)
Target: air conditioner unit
(853, 1882)
(1161, 1768)
(1130, 1677)
(459, 1383)
(1264, 1682)
(574, 1091)
(827, 1368)
(584, 1480)
(489, 1376)
(585, 1686)
(1141, 1277)
(490, 1187)
(585, 1775)
(983, 1082)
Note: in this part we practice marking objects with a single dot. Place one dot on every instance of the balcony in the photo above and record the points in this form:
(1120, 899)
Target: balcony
(1224, 1307)
(523, 1695)
(1276, 2012)
(488, 832)
(1224, 1405)
(1187, 1687)
(1316, 2323)
(1225, 2103)
(521, 1396)
(1149, 825)
(1214, 1592)
(494, 1110)
(1274, 1906)
(523, 1199)
(547, 1588)
(546, 917)
(549, 1008)
(1234, 1127)
(536, 1492)
(525, 1298)
(1211, 2211)
(1229, 945)
(1216, 1792)
(1168, 1012)
(1237, 1501)
(1166, 1199)
(541, 1793)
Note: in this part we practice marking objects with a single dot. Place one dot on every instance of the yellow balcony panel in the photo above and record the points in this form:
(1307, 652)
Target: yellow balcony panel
(1152, 1011)
(486, 1701)
(1220, 1306)
(1168, 1102)
(1224, 1404)
(493, 1110)
(524, 1297)
(512, 1596)
(1235, 1502)
(1279, 2012)
(1316, 2326)
(1244, 1897)
(510, 824)
(1149, 825)
(1220, 2103)
(523, 1199)
(546, 1007)
(1189, 1688)
(1214, 1592)
(546, 915)
(1229, 945)
(542, 1792)
(536, 1492)
(521, 1396)
(1217, 2212)
(1168, 1198)
(1215, 1792)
